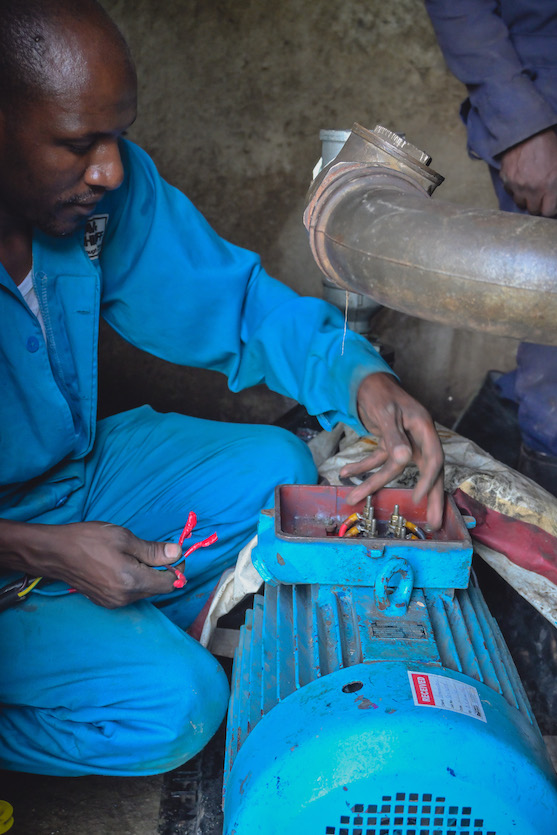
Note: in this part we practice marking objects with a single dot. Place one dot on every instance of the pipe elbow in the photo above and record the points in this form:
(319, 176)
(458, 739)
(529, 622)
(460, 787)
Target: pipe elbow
(373, 229)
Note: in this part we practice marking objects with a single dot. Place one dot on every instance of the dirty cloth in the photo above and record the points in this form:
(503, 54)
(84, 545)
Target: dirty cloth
(501, 499)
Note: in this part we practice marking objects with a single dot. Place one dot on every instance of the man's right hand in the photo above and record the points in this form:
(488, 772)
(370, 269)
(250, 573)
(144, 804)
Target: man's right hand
(105, 562)
(529, 173)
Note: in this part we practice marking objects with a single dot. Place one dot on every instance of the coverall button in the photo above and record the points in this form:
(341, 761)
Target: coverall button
(32, 344)
(61, 501)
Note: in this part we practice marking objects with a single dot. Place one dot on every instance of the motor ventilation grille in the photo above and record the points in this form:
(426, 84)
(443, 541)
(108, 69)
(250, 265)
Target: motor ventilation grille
(410, 814)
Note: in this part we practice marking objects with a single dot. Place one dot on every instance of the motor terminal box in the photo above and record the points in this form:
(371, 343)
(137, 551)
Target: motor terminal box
(298, 541)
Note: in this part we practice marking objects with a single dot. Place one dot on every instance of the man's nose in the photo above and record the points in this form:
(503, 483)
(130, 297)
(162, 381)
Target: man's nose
(105, 169)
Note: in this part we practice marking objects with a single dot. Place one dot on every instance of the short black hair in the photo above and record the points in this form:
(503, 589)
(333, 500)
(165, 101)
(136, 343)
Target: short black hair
(27, 34)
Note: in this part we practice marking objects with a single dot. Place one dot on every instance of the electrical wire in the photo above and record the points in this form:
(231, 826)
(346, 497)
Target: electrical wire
(191, 522)
(188, 527)
(349, 529)
(353, 531)
(14, 592)
(58, 593)
(17, 590)
(30, 587)
(415, 529)
(15, 586)
(202, 544)
(354, 517)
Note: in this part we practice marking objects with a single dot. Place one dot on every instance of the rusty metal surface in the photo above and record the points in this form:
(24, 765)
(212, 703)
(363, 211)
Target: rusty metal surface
(394, 587)
(303, 512)
(382, 149)
(373, 229)
(295, 547)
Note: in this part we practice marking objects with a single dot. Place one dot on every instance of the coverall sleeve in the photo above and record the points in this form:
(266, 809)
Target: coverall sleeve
(176, 289)
(480, 52)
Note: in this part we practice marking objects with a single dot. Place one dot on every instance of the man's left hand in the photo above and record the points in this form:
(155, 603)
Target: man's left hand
(406, 433)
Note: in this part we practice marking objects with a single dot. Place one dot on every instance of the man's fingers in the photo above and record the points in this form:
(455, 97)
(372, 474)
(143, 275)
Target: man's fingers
(435, 502)
(370, 462)
(429, 457)
(435, 493)
(375, 482)
(431, 471)
(388, 425)
(407, 434)
(549, 204)
(151, 582)
(158, 555)
(135, 581)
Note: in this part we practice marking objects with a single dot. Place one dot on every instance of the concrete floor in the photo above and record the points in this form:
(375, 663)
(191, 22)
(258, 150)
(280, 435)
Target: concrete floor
(82, 805)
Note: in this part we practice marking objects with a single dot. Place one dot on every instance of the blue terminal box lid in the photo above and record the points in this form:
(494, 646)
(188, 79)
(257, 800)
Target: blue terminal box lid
(299, 541)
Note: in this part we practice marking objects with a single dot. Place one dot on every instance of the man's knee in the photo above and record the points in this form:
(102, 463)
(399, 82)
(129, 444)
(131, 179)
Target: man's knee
(287, 459)
(193, 699)
(170, 717)
(143, 698)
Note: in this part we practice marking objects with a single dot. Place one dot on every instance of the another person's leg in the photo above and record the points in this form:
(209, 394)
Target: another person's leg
(536, 387)
(533, 385)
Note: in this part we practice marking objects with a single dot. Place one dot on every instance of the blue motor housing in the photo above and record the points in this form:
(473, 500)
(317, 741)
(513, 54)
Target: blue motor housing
(347, 721)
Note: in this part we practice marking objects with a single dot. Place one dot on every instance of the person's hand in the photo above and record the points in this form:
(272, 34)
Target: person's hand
(406, 433)
(529, 173)
(105, 562)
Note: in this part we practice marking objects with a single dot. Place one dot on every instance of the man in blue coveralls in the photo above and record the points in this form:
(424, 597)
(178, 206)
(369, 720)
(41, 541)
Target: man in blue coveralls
(104, 680)
(505, 51)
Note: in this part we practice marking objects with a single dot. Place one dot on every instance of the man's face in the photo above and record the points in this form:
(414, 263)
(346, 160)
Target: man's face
(59, 156)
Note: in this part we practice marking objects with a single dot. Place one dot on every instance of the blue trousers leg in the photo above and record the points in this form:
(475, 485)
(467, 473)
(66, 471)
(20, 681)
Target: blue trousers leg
(89, 690)
(148, 471)
(533, 384)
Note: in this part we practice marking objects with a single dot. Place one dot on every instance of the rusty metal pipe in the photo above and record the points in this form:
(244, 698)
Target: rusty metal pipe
(374, 229)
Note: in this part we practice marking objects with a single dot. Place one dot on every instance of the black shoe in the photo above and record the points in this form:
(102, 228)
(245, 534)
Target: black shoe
(540, 467)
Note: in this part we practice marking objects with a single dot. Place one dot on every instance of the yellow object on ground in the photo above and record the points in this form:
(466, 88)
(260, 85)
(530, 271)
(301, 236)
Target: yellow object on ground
(6, 816)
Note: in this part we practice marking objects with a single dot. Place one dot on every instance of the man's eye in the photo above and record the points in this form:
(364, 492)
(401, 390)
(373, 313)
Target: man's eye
(79, 148)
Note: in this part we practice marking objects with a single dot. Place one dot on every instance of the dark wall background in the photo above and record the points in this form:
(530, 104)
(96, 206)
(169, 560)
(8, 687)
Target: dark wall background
(233, 94)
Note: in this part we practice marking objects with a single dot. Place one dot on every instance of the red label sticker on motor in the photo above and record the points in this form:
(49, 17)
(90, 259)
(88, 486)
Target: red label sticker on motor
(422, 688)
(429, 690)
